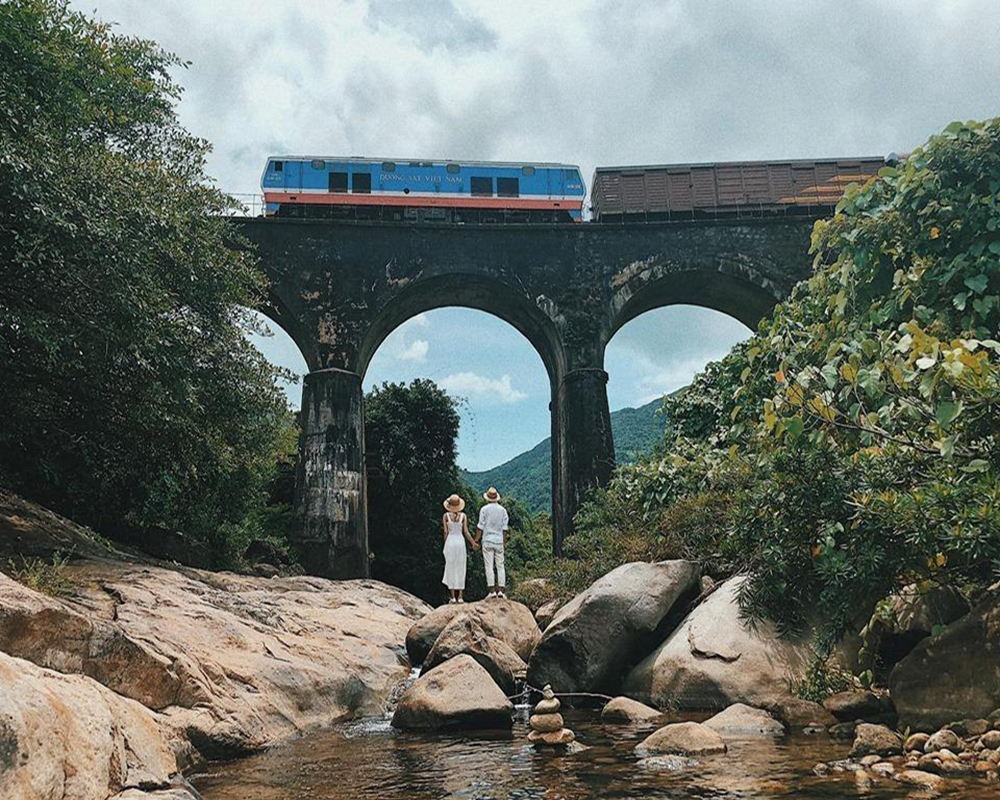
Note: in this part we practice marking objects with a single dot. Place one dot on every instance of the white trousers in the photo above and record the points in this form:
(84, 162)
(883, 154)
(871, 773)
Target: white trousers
(493, 553)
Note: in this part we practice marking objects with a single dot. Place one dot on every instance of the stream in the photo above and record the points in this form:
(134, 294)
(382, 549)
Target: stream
(368, 759)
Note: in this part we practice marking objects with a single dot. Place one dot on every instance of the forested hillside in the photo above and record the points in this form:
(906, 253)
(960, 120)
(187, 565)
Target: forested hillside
(528, 477)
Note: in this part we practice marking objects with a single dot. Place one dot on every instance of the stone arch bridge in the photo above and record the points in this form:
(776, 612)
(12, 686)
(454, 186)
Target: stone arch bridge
(339, 289)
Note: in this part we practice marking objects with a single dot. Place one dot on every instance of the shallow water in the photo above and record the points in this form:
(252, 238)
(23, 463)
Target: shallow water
(368, 760)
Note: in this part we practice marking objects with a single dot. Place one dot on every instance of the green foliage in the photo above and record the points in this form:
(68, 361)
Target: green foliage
(528, 476)
(132, 398)
(48, 577)
(824, 678)
(851, 445)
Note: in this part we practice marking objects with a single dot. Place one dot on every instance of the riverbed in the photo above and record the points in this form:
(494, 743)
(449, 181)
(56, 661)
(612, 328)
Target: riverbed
(368, 760)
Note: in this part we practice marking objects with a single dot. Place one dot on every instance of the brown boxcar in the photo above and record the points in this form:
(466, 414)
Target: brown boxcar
(734, 189)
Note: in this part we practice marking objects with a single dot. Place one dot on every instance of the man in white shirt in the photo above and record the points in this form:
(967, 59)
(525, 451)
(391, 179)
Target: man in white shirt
(492, 529)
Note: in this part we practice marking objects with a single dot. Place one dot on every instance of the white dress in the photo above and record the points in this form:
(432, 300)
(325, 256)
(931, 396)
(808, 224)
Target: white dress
(454, 555)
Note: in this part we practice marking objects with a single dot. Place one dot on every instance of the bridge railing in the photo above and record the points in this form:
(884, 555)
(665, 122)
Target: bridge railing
(253, 204)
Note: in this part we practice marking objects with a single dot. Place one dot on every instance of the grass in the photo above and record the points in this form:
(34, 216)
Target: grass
(47, 577)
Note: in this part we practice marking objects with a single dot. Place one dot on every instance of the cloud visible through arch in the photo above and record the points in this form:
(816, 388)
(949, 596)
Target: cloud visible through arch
(488, 390)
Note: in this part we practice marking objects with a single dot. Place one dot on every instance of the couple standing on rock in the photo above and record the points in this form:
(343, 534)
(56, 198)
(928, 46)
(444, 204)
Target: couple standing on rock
(491, 528)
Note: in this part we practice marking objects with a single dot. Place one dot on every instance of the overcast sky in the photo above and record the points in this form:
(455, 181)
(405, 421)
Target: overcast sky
(583, 82)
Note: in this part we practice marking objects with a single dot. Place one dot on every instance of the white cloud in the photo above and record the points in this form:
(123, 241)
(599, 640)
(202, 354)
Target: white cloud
(498, 390)
(677, 375)
(414, 351)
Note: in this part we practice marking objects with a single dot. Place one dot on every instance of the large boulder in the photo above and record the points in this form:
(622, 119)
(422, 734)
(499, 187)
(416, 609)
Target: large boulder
(682, 738)
(798, 713)
(744, 720)
(952, 676)
(66, 736)
(713, 660)
(611, 625)
(456, 694)
(851, 705)
(465, 634)
(502, 619)
(911, 616)
(547, 612)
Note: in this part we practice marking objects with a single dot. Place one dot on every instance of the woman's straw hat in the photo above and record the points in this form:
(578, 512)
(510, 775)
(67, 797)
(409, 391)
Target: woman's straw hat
(454, 503)
(492, 495)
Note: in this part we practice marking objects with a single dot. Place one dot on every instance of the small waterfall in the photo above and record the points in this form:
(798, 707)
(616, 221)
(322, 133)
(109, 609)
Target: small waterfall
(397, 692)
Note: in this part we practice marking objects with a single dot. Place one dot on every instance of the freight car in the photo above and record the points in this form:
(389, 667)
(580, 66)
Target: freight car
(418, 191)
(735, 189)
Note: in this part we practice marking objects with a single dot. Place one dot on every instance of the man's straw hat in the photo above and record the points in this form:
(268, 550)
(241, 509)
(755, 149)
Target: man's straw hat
(454, 503)
(492, 495)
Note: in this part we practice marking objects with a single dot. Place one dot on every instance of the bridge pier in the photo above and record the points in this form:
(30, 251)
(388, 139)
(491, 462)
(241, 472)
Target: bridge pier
(331, 525)
(586, 450)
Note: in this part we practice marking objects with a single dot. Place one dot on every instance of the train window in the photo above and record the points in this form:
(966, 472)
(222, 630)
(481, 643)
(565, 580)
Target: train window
(388, 166)
(527, 171)
(507, 187)
(481, 186)
(361, 183)
(279, 166)
(571, 173)
(454, 169)
(338, 181)
(318, 163)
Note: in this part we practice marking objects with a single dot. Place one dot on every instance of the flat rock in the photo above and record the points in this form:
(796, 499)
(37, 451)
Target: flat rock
(563, 736)
(456, 694)
(916, 741)
(620, 617)
(546, 723)
(713, 660)
(67, 736)
(743, 720)
(847, 706)
(237, 663)
(870, 739)
(926, 780)
(627, 711)
(953, 675)
(465, 634)
(510, 622)
(682, 738)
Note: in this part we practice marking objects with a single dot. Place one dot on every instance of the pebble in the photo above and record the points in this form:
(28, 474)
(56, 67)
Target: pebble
(867, 761)
(990, 740)
(884, 769)
(915, 777)
(916, 741)
(944, 738)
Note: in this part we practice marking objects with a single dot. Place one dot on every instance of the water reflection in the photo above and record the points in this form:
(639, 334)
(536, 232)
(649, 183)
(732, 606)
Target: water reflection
(367, 760)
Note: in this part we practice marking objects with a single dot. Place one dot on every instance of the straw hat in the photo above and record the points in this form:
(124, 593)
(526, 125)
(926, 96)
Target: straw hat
(492, 495)
(454, 503)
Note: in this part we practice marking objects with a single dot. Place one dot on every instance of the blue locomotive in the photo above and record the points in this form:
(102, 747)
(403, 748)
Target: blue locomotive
(422, 191)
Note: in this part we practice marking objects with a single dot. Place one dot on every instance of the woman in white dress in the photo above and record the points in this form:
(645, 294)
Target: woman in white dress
(455, 527)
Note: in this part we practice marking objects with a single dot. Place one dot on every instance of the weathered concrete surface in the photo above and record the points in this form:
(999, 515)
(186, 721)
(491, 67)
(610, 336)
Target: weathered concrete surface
(339, 288)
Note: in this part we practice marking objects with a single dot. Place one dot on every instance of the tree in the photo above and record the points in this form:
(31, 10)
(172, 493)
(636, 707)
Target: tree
(410, 441)
(131, 397)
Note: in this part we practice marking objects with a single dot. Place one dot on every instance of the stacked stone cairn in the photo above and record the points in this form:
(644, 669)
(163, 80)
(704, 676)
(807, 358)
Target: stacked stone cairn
(547, 723)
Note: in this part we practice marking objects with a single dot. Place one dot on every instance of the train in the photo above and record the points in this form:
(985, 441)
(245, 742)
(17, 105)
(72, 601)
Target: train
(422, 191)
(466, 192)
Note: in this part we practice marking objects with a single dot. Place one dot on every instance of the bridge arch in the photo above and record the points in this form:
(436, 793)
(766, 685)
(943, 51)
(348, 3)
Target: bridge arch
(467, 291)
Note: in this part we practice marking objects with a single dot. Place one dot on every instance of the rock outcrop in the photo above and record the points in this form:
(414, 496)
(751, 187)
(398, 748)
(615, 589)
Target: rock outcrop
(458, 694)
(682, 738)
(547, 612)
(66, 736)
(465, 634)
(611, 625)
(744, 720)
(510, 622)
(952, 676)
(626, 711)
(713, 660)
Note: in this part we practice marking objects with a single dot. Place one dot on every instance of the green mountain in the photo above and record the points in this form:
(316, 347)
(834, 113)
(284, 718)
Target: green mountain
(528, 477)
